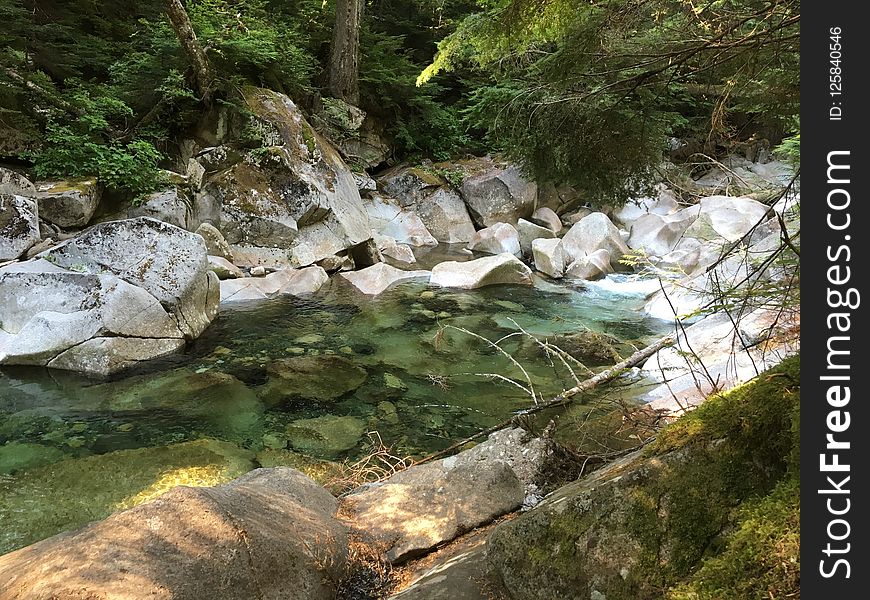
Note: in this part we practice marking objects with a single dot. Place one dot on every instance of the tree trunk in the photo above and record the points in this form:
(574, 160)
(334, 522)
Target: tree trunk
(344, 64)
(201, 75)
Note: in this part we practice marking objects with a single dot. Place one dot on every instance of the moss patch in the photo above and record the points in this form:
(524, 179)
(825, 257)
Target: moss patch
(40, 502)
(708, 511)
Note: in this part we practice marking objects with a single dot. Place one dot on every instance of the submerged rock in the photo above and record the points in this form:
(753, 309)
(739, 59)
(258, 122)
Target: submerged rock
(271, 534)
(327, 436)
(491, 270)
(323, 378)
(15, 456)
(46, 500)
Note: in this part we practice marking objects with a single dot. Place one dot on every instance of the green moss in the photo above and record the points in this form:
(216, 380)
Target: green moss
(761, 559)
(82, 186)
(40, 502)
(712, 504)
(310, 140)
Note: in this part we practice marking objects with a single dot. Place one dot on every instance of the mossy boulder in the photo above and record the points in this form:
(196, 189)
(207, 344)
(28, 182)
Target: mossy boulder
(42, 501)
(648, 525)
(292, 191)
(328, 436)
(324, 378)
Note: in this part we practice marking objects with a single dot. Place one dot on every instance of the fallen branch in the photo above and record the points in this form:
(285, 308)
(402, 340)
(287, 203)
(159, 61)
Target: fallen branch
(565, 397)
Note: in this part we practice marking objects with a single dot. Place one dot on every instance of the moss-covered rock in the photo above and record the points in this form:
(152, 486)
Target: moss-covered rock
(324, 378)
(43, 501)
(710, 507)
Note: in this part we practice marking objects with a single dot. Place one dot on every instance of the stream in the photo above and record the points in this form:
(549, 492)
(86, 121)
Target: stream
(291, 381)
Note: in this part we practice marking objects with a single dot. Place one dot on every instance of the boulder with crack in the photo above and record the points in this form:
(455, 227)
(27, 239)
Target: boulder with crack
(294, 193)
(120, 293)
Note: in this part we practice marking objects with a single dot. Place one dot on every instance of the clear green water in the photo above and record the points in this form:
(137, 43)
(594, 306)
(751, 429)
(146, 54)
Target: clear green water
(73, 450)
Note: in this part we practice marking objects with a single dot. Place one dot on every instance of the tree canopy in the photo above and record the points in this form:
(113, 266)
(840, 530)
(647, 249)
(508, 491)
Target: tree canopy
(590, 93)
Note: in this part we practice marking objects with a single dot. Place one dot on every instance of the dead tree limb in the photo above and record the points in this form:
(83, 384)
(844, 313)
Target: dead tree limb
(565, 397)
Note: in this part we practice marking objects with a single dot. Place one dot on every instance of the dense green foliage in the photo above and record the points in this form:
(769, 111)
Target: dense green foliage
(103, 89)
(591, 92)
(587, 93)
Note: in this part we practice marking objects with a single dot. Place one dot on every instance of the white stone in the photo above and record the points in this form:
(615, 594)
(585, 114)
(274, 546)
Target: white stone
(529, 232)
(491, 270)
(378, 278)
(549, 257)
(498, 238)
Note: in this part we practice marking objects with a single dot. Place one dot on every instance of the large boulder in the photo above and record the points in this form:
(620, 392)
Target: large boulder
(294, 192)
(547, 217)
(426, 505)
(121, 293)
(498, 238)
(68, 203)
(388, 218)
(269, 534)
(378, 278)
(170, 206)
(19, 226)
(657, 234)
(215, 242)
(496, 192)
(438, 205)
(529, 232)
(549, 257)
(12, 182)
(726, 217)
(169, 263)
(590, 267)
(290, 282)
(491, 270)
(591, 233)
(664, 203)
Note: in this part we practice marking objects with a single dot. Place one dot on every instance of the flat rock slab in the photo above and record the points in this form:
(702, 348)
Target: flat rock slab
(491, 270)
(378, 278)
(457, 572)
(424, 506)
(270, 534)
(293, 282)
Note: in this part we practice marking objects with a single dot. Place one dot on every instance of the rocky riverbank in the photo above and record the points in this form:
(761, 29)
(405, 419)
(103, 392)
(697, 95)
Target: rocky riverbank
(99, 285)
(280, 218)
